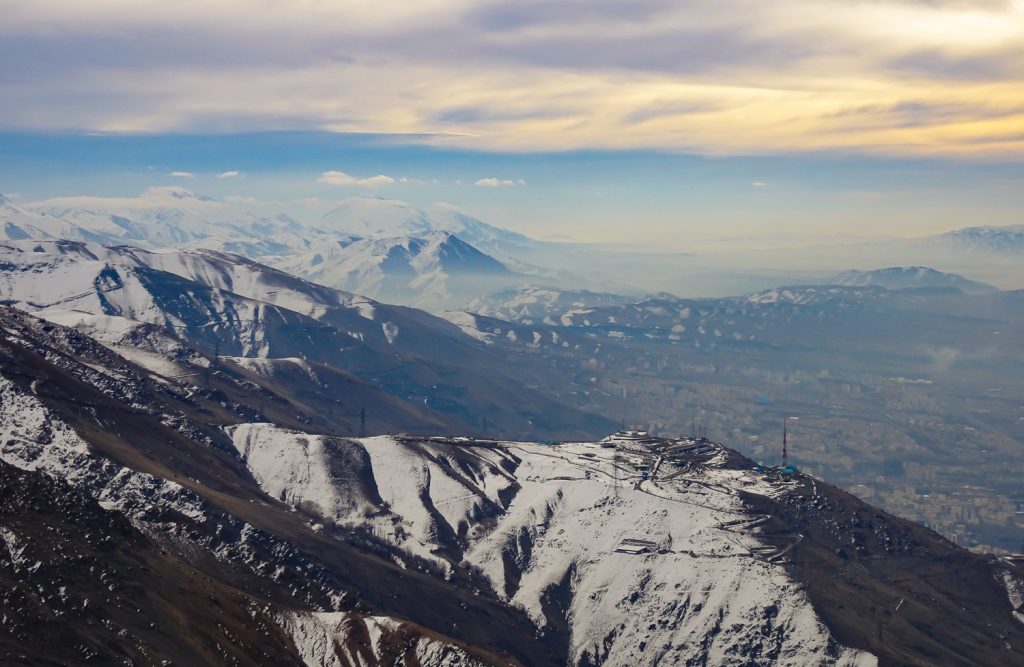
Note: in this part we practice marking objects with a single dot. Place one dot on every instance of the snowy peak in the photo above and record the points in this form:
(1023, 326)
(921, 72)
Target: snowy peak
(1005, 239)
(448, 252)
(379, 247)
(542, 522)
(914, 277)
(427, 271)
(647, 550)
(372, 217)
(173, 217)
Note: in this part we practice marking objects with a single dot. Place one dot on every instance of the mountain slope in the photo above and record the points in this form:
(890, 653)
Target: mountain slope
(225, 304)
(530, 304)
(892, 587)
(19, 224)
(169, 217)
(1003, 240)
(706, 563)
(289, 547)
(428, 271)
(914, 277)
(381, 248)
(375, 217)
(157, 455)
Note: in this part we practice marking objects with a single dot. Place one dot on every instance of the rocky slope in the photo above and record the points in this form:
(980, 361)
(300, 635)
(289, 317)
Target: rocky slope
(153, 452)
(163, 518)
(227, 305)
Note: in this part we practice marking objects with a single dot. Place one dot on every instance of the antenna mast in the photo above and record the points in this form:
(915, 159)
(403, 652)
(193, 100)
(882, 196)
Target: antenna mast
(615, 473)
(785, 452)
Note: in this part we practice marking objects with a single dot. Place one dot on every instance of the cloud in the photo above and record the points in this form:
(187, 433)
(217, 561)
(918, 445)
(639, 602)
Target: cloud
(498, 183)
(759, 184)
(376, 181)
(227, 174)
(183, 174)
(521, 75)
(340, 178)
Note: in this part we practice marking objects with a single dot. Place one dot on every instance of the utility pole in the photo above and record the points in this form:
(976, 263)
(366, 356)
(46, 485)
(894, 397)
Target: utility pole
(785, 438)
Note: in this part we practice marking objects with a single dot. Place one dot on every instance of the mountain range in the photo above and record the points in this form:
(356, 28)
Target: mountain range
(431, 270)
(228, 305)
(438, 257)
(164, 517)
(206, 460)
(915, 277)
(1008, 239)
(380, 248)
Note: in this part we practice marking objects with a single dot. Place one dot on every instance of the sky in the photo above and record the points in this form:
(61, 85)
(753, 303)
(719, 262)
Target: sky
(649, 120)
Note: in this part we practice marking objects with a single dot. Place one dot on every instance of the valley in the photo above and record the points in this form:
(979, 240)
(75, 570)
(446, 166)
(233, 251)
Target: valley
(928, 426)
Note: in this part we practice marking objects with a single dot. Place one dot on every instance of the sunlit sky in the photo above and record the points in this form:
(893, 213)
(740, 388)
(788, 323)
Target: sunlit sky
(601, 120)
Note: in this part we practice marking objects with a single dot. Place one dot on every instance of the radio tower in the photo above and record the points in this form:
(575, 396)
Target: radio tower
(785, 453)
(615, 473)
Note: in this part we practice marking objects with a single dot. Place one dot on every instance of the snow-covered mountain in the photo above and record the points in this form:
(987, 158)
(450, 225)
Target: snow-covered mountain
(830, 317)
(381, 218)
(230, 305)
(19, 223)
(132, 493)
(430, 271)
(130, 531)
(174, 217)
(914, 277)
(640, 572)
(380, 248)
(530, 304)
(1007, 239)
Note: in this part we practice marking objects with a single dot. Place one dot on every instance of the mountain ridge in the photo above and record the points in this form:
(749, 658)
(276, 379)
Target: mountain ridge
(912, 277)
(457, 550)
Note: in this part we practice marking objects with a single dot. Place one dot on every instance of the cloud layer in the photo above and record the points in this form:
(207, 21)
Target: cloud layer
(342, 179)
(909, 77)
(498, 182)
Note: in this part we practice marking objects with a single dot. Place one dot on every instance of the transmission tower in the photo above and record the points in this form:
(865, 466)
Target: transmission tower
(785, 451)
(615, 474)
